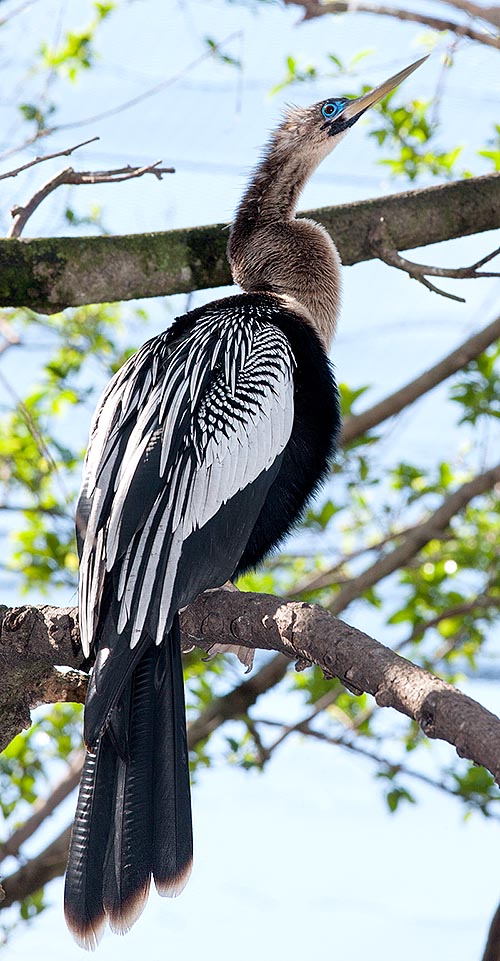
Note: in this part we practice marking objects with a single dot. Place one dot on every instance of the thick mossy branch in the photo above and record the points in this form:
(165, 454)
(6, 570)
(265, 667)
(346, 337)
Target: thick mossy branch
(51, 274)
(42, 637)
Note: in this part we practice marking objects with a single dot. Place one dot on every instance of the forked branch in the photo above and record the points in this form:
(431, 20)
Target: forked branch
(385, 250)
(22, 214)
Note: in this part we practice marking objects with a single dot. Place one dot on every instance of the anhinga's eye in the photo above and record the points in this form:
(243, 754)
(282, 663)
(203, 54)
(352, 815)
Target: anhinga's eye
(332, 108)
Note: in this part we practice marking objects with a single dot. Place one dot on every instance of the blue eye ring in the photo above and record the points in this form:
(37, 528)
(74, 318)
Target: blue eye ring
(332, 108)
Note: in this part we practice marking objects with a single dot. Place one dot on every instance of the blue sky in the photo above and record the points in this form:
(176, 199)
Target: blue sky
(304, 858)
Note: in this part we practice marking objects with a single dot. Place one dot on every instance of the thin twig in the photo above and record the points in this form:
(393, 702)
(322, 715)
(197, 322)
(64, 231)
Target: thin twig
(126, 105)
(69, 176)
(385, 250)
(11, 337)
(318, 581)
(393, 768)
(482, 602)
(17, 11)
(48, 156)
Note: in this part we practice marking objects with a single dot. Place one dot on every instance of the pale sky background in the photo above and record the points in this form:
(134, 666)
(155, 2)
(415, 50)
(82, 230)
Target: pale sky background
(303, 859)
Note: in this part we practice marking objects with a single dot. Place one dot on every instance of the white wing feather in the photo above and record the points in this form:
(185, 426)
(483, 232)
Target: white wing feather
(238, 424)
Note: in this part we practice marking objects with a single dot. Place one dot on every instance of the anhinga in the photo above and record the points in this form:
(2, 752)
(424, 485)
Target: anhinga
(204, 450)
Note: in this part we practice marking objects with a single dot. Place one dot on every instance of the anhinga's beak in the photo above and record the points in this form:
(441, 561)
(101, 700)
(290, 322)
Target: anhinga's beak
(356, 107)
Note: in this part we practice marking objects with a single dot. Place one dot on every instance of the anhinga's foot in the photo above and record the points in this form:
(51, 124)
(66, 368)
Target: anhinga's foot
(244, 654)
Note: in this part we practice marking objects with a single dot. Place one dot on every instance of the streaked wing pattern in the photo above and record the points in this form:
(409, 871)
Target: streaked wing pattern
(216, 410)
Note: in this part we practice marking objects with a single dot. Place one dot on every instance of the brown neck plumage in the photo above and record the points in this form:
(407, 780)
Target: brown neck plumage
(269, 249)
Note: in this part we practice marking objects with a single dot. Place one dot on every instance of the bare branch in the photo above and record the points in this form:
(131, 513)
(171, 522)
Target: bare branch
(384, 249)
(32, 876)
(315, 8)
(44, 808)
(357, 425)
(48, 156)
(307, 632)
(69, 176)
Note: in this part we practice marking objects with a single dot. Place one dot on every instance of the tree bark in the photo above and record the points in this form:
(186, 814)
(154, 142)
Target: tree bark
(49, 274)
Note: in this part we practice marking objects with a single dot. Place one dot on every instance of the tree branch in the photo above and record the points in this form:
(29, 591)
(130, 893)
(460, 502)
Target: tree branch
(392, 767)
(358, 424)
(44, 808)
(303, 632)
(32, 876)
(314, 8)
(237, 701)
(385, 251)
(53, 273)
(489, 14)
(47, 156)
(69, 176)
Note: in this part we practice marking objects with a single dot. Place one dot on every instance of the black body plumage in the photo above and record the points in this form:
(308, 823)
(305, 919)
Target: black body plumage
(240, 390)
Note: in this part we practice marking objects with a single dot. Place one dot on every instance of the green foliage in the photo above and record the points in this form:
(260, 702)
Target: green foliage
(408, 132)
(493, 151)
(41, 465)
(24, 765)
(477, 786)
(219, 55)
(76, 51)
(298, 72)
(478, 391)
(295, 73)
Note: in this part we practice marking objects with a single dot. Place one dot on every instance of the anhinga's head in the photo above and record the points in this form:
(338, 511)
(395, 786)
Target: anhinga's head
(318, 129)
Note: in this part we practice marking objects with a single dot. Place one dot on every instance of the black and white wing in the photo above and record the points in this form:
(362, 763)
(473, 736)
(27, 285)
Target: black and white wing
(184, 447)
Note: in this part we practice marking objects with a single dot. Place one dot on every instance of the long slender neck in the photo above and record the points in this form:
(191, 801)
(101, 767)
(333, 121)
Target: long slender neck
(269, 250)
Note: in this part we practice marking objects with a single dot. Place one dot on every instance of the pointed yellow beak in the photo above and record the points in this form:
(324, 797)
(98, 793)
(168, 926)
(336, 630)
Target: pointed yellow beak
(358, 106)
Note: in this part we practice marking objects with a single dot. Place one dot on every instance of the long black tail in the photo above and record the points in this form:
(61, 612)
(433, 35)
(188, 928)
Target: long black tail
(133, 817)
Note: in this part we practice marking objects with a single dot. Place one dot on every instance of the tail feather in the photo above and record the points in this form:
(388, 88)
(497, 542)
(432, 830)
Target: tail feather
(83, 903)
(127, 871)
(172, 825)
(133, 816)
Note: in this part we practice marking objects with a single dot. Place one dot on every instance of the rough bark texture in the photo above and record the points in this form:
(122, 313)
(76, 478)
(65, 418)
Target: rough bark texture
(304, 632)
(51, 274)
